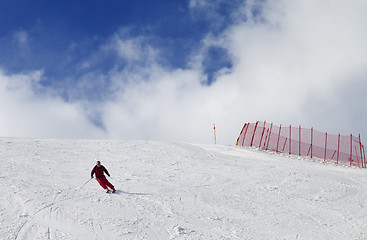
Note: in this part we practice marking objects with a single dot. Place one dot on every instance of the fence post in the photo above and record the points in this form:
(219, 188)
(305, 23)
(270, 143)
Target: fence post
(333, 155)
(360, 146)
(351, 151)
(325, 146)
(337, 158)
(243, 141)
(215, 136)
(285, 142)
(280, 127)
(240, 134)
(299, 141)
(364, 157)
(266, 138)
(262, 134)
(290, 139)
(355, 147)
(267, 145)
(253, 135)
(311, 139)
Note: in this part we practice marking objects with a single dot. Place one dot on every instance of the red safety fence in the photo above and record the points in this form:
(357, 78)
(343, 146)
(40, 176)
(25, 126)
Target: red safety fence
(340, 149)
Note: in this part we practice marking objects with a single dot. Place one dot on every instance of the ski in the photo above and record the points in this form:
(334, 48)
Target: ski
(111, 191)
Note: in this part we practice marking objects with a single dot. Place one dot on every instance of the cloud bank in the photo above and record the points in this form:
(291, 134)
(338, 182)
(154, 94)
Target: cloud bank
(292, 62)
(29, 110)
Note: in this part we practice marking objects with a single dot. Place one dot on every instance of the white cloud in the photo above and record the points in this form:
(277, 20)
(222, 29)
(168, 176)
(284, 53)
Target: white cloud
(131, 49)
(21, 37)
(164, 107)
(28, 110)
(300, 50)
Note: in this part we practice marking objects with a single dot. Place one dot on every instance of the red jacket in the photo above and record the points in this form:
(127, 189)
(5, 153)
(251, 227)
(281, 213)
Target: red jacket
(99, 171)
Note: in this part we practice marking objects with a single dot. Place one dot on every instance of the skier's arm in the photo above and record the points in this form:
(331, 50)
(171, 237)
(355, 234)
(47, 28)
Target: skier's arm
(105, 170)
(92, 173)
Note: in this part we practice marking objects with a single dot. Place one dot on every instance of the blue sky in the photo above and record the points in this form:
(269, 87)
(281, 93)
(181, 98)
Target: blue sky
(169, 70)
(57, 35)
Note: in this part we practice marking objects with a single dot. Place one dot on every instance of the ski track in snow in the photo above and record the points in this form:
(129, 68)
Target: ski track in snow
(174, 191)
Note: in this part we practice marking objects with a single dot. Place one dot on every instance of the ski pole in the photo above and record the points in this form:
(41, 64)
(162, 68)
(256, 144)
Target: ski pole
(86, 183)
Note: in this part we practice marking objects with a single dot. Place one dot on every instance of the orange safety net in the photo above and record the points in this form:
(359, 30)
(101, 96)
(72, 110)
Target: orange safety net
(340, 149)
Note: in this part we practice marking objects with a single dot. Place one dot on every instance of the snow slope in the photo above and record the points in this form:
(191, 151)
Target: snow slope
(174, 191)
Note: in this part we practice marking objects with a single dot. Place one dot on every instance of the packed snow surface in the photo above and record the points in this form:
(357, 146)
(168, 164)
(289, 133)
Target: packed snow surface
(174, 191)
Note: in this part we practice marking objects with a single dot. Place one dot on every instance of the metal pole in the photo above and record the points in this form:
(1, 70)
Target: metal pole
(86, 183)
(364, 156)
(215, 137)
(355, 147)
(279, 136)
(240, 134)
(360, 146)
(266, 138)
(325, 146)
(243, 141)
(290, 139)
(337, 158)
(333, 155)
(253, 135)
(309, 149)
(262, 134)
(299, 139)
(311, 139)
(285, 142)
(267, 145)
(351, 151)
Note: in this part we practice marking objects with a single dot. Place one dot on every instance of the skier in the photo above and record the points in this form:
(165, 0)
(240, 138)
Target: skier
(102, 180)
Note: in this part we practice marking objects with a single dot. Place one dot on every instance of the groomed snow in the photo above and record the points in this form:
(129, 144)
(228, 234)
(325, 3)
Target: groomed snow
(174, 191)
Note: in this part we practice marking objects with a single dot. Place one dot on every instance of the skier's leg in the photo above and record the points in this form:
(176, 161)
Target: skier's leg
(102, 182)
(109, 184)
